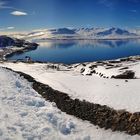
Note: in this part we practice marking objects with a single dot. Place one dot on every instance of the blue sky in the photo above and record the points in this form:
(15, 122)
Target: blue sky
(34, 14)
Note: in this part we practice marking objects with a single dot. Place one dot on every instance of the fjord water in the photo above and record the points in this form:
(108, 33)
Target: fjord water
(75, 51)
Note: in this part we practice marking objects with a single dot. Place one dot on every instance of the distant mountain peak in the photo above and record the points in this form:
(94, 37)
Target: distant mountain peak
(114, 31)
(63, 31)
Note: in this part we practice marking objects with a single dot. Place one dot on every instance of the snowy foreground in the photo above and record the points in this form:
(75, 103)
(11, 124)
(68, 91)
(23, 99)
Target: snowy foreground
(115, 93)
(26, 115)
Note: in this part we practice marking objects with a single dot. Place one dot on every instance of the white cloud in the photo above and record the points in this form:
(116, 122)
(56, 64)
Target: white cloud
(10, 28)
(18, 13)
(3, 5)
(7, 28)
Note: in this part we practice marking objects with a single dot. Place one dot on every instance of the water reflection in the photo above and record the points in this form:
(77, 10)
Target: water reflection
(74, 51)
(58, 43)
(84, 43)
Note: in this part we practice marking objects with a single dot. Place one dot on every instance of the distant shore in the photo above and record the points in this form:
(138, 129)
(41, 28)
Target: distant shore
(92, 39)
(8, 52)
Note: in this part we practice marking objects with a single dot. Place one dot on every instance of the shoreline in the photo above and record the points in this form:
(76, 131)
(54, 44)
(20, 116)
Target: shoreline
(8, 52)
(84, 39)
(120, 59)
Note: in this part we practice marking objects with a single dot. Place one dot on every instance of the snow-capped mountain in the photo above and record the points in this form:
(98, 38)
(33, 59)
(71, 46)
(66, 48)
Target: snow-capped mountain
(81, 33)
(115, 32)
(62, 31)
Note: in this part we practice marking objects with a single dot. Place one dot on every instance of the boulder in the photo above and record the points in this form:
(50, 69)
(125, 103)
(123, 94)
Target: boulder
(125, 75)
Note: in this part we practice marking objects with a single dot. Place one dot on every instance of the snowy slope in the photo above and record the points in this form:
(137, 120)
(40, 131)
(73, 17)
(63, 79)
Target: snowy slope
(116, 93)
(25, 115)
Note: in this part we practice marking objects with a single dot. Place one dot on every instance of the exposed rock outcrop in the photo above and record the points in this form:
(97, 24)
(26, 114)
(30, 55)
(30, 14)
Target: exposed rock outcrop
(126, 75)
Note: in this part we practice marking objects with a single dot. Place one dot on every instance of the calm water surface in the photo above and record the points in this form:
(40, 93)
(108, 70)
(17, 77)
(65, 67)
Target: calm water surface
(82, 51)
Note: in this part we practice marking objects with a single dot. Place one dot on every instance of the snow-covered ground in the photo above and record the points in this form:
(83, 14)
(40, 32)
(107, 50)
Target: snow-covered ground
(25, 115)
(115, 93)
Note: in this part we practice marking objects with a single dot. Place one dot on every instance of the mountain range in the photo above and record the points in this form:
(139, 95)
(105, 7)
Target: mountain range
(78, 33)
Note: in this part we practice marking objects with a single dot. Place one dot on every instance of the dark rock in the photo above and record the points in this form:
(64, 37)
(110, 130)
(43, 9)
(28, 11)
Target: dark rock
(93, 66)
(123, 68)
(125, 75)
(110, 65)
(114, 61)
(82, 70)
(84, 64)
(93, 71)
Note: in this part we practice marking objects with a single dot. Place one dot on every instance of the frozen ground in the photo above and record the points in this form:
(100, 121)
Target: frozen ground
(25, 115)
(116, 93)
